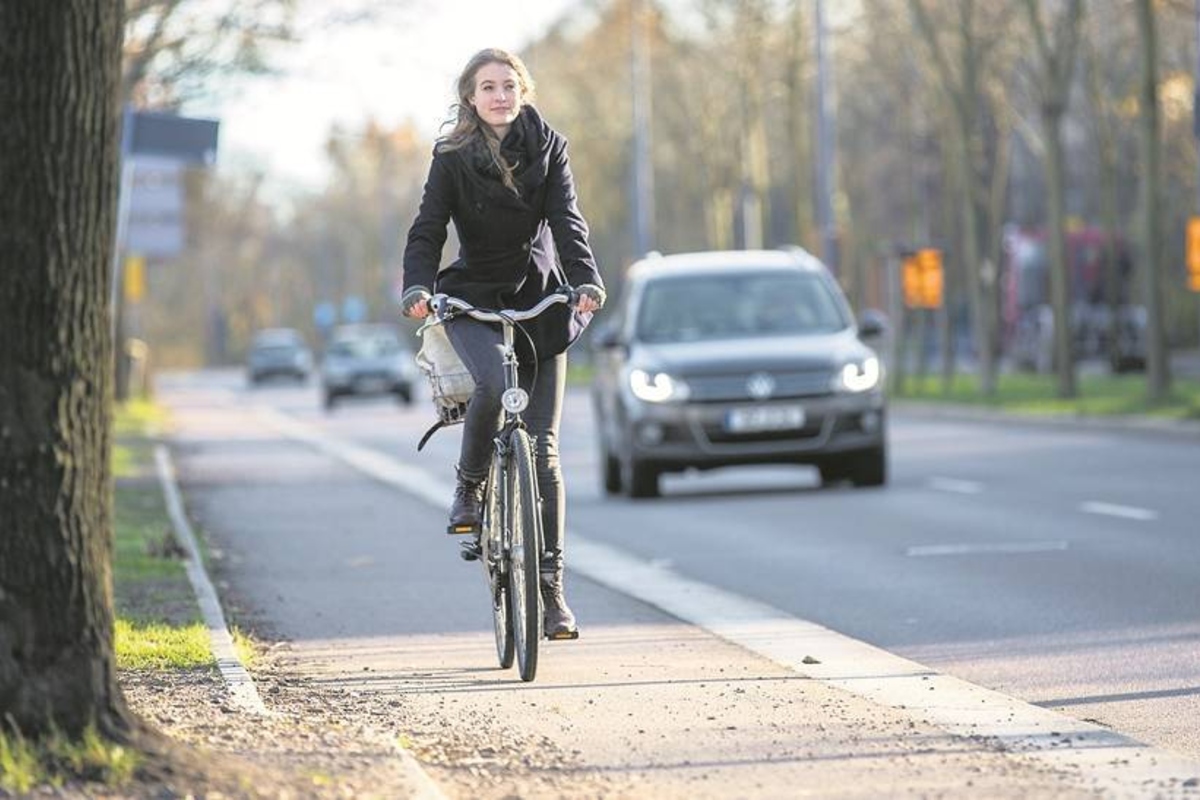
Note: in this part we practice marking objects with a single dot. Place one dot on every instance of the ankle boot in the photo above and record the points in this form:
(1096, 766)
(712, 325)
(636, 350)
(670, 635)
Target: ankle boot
(466, 508)
(558, 622)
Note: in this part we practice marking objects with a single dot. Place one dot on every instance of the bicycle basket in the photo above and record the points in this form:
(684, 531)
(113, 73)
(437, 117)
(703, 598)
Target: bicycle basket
(450, 382)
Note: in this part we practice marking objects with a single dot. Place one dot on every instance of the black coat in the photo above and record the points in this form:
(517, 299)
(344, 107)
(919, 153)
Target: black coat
(508, 240)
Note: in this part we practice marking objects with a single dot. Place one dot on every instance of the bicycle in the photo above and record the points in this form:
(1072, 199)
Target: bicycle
(510, 538)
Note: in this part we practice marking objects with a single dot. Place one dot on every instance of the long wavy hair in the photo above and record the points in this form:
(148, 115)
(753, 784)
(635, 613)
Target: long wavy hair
(468, 127)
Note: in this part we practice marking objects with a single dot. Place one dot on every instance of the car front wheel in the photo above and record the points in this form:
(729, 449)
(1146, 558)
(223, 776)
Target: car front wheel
(869, 468)
(638, 478)
(610, 469)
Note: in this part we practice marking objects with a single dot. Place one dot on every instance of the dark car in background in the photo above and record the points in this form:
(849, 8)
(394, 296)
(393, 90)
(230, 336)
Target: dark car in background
(367, 360)
(278, 352)
(739, 357)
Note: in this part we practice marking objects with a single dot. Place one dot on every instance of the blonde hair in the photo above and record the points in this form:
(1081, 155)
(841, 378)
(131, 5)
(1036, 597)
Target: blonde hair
(468, 127)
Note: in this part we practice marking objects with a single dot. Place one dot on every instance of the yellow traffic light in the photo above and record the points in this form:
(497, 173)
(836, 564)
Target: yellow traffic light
(930, 261)
(1193, 253)
(135, 279)
(923, 279)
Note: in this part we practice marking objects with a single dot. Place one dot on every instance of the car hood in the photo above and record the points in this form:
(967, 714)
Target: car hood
(809, 352)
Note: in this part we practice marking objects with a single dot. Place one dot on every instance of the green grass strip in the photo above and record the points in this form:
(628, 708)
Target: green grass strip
(1098, 395)
(55, 759)
(157, 645)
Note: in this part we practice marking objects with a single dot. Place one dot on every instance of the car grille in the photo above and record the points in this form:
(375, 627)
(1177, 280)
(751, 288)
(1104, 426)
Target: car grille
(813, 428)
(734, 386)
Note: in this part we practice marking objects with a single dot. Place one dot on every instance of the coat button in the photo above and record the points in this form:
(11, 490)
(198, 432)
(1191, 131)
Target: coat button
(525, 247)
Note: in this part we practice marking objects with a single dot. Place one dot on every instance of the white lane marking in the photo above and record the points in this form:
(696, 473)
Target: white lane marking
(955, 485)
(984, 548)
(1113, 510)
(242, 691)
(1101, 757)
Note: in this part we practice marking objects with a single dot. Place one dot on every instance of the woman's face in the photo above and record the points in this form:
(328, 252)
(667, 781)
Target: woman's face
(497, 97)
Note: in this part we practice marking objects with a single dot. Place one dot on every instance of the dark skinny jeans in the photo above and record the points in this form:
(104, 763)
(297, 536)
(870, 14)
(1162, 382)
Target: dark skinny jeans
(479, 345)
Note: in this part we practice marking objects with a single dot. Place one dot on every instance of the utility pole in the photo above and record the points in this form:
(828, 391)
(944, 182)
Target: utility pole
(1196, 132)
(826, 173)
(643, 166)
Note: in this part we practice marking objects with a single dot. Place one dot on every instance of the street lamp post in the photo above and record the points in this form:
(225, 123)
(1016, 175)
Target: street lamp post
(643, 168)
(825, 149)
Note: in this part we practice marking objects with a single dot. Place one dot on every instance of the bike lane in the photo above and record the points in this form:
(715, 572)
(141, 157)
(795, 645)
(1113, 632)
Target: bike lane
(380, 615)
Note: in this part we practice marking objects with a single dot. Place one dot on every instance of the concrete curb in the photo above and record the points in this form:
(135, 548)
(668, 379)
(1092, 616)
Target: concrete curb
(1120, 424)
(242, 690)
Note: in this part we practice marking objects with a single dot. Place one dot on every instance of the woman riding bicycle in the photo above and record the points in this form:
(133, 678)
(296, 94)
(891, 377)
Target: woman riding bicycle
(503, 177)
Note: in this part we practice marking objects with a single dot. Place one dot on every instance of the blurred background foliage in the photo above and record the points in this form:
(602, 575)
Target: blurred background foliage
(732, 125)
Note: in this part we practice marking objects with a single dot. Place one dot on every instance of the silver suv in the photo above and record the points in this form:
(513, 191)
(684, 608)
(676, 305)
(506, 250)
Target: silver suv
(736, 357)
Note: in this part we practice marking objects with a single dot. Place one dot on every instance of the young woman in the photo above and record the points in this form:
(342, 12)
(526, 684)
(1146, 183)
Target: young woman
(502, 177)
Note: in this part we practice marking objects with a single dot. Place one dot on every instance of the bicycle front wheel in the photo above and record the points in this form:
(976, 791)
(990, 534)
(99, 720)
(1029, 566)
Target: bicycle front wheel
(525, 545)
(494, 567)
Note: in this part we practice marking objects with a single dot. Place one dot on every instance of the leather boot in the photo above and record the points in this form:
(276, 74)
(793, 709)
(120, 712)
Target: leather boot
(558, 622)
(467, 506)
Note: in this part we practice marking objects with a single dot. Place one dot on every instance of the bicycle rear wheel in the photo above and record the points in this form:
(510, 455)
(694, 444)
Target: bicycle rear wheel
(525, 544)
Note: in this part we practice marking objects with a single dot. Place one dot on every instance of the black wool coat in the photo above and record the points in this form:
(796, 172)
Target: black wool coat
(509, 241)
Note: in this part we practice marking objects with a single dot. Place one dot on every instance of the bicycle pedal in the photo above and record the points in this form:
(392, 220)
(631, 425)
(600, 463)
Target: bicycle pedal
(461, 530)
(470, 551)
(565, 636)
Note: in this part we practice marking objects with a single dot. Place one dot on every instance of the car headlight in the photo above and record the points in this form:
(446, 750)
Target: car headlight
(657, 387)
(858, 376)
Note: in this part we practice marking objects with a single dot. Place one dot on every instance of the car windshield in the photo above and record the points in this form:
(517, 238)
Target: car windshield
(737, 305)
(277, 339)
(366, 347)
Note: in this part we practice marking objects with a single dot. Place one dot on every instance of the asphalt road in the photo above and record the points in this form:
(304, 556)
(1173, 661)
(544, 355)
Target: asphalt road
(1058, 566)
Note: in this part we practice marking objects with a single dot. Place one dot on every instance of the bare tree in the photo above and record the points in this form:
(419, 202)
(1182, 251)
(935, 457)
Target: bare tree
(1056, 45)
(59, 75)
(171, 44)
(961, 83)
(1158, 376)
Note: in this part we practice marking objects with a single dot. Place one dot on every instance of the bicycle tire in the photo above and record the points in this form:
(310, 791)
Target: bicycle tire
(493, 568)
(525, 540)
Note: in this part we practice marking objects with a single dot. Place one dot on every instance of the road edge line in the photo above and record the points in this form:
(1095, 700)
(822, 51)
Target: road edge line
(243, 693)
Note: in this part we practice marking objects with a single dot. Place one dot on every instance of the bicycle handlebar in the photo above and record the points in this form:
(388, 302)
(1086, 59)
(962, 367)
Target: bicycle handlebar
(443, 304)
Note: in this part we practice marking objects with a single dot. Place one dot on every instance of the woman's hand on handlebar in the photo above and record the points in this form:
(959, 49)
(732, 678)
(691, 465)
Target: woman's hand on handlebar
(590, 298)
(414, 304)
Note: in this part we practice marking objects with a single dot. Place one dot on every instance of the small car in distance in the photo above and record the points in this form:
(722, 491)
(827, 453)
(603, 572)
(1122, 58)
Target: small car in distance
(278, 352)
(736, 357)
(366, 360)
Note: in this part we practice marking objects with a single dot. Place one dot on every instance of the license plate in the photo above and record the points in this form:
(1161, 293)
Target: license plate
(764, 418)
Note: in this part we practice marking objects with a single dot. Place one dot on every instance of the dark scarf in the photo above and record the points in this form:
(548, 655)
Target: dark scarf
(524, 148)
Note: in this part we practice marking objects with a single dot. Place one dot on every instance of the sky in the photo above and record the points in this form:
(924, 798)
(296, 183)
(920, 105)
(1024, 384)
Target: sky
(399, 66)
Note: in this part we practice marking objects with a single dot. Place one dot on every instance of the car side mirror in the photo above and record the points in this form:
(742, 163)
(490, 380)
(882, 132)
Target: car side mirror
(872, 324)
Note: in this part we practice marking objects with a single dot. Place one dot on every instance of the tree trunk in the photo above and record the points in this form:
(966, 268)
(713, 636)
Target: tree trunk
(1106, 147)
(980, 315)
(59, 71)
(799, 105)
(1052, 112)
(1158, 376)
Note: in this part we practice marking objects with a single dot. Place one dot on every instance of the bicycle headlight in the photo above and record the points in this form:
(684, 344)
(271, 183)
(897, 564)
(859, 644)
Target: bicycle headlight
(656, 387)
(858, 376)
(514, 400)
